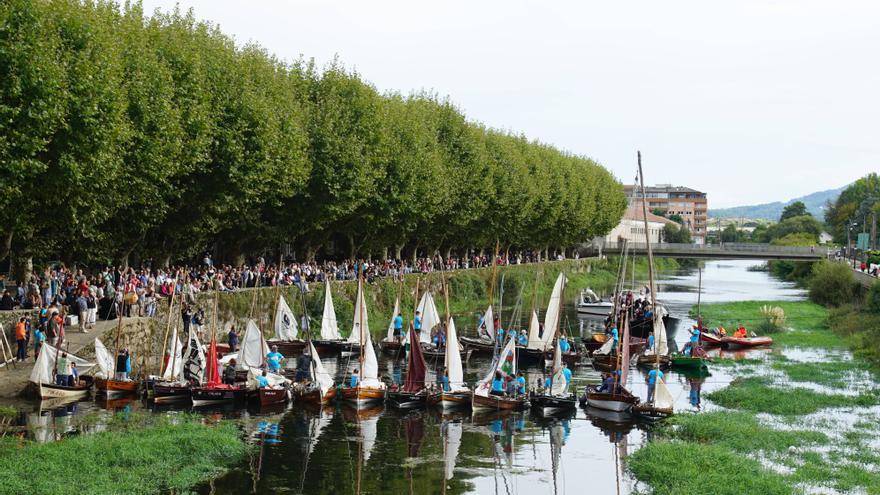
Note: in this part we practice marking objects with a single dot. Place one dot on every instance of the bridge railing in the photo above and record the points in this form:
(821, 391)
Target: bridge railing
(725, 247)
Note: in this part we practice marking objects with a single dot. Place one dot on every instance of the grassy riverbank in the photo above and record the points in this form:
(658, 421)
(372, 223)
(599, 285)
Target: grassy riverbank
(801, 418)
(140, 454)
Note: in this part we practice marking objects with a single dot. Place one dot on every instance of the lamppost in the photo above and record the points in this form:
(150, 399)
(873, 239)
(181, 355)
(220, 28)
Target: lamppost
(849, 248)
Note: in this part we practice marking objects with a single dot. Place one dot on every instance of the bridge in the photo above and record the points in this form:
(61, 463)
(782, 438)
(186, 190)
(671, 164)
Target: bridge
(727, 250)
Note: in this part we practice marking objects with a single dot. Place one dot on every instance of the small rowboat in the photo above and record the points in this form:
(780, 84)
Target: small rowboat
(53, 391)
(451, 400)
(553, 404)
(708, 340)
(269, 396)
(620, 402)
(170, 392)
(407, 400)
(679, 361)
(650, 412)
(651, 360)
(392, 347)
(744, 342)
(218, 394)
(115, 387)
(498, 403)
(312, 395)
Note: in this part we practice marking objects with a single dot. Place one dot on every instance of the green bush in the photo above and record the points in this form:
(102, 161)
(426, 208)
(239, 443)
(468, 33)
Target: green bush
(832, 284)
(872, 298)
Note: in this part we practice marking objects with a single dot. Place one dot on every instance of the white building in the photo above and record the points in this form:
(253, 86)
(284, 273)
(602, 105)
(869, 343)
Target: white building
(632, 227)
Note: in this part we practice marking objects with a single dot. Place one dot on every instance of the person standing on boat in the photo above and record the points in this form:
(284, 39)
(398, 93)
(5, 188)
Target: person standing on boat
(274, 359)
(304, 367)
(417, 323)
(653, 376)
(520, 383)
(62, 370)
(444, 381)
(650, 345)
(262, 381)
(523, 339)
(123, 365)
(614, 340)
(566, 373)
(355, 379)
(564, 346)
(232, 337)
(398, 327)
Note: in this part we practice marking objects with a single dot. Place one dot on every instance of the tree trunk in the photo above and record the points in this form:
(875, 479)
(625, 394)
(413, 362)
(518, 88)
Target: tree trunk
(397, 249)
(384, 253)
(6, 245)
(22, 266)
(310, 253)
(352, 249)
(166, 261)
(547, 253)
(448, 252)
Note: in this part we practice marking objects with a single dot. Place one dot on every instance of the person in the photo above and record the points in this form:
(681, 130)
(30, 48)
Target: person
(122, 365)
(262, 380)
(695, 337)
(39, 338)
(510, 386)
(523, 339)
(566, 373)
(607, 385)
(21, 339)
(355, 379)
(82, 305)
(73, 379)
(233, 339)
(62, 370)
(653, 376)
(444, 382)
(417, 322)
(398, 327)
(92, 305)
(273, 359)
(614, 340)
(740, 332)
(6, 302)
(650, 346)
(497, 384)
(520, 383)
(304, 367)
(229, 372)
(564, 346)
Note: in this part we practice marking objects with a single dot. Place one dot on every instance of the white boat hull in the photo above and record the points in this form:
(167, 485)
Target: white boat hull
(597, 309)
(610, 405)
(48, 392)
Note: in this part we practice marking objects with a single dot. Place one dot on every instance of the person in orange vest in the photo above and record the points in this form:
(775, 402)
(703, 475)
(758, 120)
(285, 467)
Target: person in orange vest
(21, 339)
(741, 332)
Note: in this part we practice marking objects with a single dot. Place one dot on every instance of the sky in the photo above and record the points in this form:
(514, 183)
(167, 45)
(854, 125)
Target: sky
(749, 101)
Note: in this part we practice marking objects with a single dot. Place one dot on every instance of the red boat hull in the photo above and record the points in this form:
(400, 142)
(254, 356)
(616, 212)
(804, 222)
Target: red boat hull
(746, 342)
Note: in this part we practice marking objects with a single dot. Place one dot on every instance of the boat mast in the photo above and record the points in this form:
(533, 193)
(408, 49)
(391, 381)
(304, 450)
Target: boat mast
(118, 331)
(650, 270)
(362, 308)
(167, 329)
(699, 293)
(491, 324)
(277, 292)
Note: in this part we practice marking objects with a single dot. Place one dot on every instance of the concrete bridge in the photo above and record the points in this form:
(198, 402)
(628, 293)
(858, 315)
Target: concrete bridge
(728, 250)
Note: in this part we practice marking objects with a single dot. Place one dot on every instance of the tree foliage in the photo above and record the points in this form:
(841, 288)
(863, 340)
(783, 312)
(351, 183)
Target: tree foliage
(854, 205)
(832, 284)
(796, 209)
(124, 135)
(676, 234)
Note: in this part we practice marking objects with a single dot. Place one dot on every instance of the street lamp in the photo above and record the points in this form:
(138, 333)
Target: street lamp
(849, 248)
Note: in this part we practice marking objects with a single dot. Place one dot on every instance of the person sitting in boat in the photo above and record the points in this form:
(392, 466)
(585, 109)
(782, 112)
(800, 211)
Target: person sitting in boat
(523, 339)
(498, 384)
(355, 379)
(741, 332)
(650, 345)
(652, 378)
(229, 372)
(303, 367)
(607, 384)
(510, 386)
(398, 327)
(649, 312)
(274, 359)
(564, 346)
(520, 383)
(439, 337)
(722, 331)
(262, 380)
(73, 380)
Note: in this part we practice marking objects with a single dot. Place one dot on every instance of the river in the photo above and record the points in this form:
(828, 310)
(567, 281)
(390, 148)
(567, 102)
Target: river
(336, 451)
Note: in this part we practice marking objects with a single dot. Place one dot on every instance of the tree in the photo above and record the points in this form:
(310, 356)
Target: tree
(674, 234)
(854, 205)
(795, 225)
(832, 284)
(731, 234)
(796, 209)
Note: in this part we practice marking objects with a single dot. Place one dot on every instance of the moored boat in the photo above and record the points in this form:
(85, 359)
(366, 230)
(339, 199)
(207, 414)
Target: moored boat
(369, 390)
(269, 396)
(484, 398)
(590, 304)
(413, 393)
(744, 342)
(708, 339)
(679, 361)
(616, 402)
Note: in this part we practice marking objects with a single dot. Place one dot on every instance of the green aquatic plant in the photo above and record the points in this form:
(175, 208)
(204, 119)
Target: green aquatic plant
(755, 395)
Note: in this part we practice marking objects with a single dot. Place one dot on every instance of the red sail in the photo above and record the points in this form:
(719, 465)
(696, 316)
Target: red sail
(212, 378)
(415, 366)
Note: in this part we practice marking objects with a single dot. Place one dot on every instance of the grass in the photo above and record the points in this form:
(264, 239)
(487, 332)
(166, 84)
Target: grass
(807, 321)
(157, 459)
(737, 431)
(829, 373)
(674, 468)
(754, 395)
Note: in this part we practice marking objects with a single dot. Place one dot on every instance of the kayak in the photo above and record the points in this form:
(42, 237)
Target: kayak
(741, 342)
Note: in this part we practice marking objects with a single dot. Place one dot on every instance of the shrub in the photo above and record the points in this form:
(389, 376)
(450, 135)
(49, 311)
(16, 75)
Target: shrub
(872, 298)
(832, 284)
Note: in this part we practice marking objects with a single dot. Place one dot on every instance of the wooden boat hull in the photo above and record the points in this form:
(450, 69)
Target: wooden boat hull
(392, 347)
(478, 345)
(269, 396)
(203, 396)
(52, 391)
(622, 402)
(363, 396)
(745, 343)
(451, 400)
(709, 340)
(115, 387)
(407, 400)
(314, 396)
(330, 347)
(498, 403)
(550, 404)
(650, 361)
(647, 412)
(288, 348)
(641, 328)
(170, 392)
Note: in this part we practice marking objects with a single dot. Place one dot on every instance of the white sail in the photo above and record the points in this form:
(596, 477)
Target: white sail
(660, 345)
(535, 341)
(559, 384)
(430, 316)
(360, 317)
(662, 396)
(370, 373)
(175, 362)
(453, 442)
(317, 424)
(275, 380)
(453, 361)
(369, 427)
(322, 378)
(606, 347)
(489, 321)
(106, 361)
(329, 327)
(390, 336)
(42, 371)
(285, 322)
(551, 319)
(506, 365)
(253, 347)
(194, 359)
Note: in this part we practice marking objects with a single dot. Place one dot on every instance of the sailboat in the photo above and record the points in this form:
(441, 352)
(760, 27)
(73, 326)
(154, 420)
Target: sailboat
(459, 395)
(659, 355)
(620, 399)
(414, 392)
(211, 390)
(107, 383)
(391, 344)
(41, 375)
(321, 389)
(558, 398)
(369, 389)
(286, 331)
(171, 387)
(330, 342)
(483, 399)
(430, 322)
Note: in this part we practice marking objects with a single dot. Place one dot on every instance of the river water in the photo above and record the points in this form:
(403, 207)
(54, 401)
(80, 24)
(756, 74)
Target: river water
(336, 450)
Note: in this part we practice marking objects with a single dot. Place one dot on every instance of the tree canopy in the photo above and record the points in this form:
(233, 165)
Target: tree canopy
(122, 134)
(855, 205)
(796, 209)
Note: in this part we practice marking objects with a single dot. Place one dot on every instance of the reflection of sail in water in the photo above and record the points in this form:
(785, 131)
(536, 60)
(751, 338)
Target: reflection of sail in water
(452, 432)
(316, 424)
(369, 427)
(557, 439)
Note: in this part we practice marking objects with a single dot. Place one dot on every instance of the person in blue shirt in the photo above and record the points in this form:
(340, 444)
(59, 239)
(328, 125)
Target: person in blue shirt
(355, 379)
(498, 384)
(520, 383)
(398, 327)
(614, 340)
(274, 358)
(444, 382)
(417, 322)
(564, 346)
(262, 381)
(650, 341)
(567, 373)
(523, 339)
(499, 336)
(607, 384)
(653, 375)
(39, 338)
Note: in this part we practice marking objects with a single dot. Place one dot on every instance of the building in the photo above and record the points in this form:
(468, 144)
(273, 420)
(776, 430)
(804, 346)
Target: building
(632, 227)
(691, 205)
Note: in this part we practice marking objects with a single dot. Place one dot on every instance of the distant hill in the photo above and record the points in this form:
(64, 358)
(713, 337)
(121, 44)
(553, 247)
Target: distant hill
(771, 211)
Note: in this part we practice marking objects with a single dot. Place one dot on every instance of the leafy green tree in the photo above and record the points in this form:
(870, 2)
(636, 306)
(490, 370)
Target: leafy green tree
(832, 284)
(854, 205)
(676, 234)
(795, 225)
(731, 234)
(796, 209)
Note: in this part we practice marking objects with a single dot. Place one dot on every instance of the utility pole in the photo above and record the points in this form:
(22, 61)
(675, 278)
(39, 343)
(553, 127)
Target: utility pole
(873, 230)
